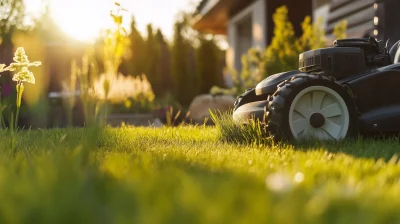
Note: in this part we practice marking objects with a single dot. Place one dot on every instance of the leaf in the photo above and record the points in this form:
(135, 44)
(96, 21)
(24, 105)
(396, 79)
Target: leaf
(117, 19)
(36, 63)
(24, 76)
(20, 56)
(13, 66)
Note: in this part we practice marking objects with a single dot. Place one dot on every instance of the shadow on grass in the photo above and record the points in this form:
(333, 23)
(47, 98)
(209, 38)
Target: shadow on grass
(375, 146)
(366, 146)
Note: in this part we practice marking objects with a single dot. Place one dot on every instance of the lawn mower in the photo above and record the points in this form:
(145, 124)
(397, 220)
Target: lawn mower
(341, 91)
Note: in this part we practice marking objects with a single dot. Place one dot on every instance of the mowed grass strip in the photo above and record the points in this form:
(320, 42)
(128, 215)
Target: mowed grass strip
(188, 175)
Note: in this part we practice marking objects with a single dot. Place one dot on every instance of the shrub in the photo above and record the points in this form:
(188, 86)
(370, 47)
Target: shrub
(126, 93)
(283, 52)
(340, 30)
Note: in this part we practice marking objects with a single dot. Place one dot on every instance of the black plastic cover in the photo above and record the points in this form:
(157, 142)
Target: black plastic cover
(338, 62)
(382, 119)
(269, 85)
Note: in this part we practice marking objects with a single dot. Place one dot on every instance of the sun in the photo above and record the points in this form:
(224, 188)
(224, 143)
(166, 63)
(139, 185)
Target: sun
(81, 19)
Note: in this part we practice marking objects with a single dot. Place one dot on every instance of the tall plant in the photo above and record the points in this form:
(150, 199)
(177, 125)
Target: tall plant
(20, 68)
(114, 44)
(115, 41)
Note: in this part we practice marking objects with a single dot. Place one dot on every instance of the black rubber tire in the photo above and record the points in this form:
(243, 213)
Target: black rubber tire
(277, 110)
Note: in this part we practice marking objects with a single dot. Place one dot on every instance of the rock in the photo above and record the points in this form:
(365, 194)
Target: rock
(157, 123)
(199, 108)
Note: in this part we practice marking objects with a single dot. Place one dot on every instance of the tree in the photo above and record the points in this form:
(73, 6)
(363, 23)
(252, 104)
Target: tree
(208, 58)
(152, 54)
(137, 51)
(183, 79)
(163, 65)
(11, 18)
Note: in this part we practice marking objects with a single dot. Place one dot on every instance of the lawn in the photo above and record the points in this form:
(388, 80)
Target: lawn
(188, 175)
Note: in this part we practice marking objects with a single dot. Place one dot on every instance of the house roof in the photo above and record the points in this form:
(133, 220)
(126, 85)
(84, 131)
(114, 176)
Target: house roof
(212, 16)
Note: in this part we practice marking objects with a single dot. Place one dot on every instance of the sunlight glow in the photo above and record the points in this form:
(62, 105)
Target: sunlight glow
(84, 19)
(79, 19)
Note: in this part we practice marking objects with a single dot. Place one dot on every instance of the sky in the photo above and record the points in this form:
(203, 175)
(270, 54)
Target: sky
(83, 19)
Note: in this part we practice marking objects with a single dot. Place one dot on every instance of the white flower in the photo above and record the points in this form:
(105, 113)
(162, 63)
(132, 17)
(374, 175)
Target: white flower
(20, 56)
(24, 76)
(20, 67)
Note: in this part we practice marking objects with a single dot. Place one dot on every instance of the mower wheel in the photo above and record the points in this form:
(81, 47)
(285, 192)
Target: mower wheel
(311, 107)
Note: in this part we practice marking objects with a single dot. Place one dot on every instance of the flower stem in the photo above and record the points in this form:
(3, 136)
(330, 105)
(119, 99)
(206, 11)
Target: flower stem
(20, 89)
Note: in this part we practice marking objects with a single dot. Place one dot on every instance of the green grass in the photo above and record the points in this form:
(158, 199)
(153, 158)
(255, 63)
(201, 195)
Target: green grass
(188, 175)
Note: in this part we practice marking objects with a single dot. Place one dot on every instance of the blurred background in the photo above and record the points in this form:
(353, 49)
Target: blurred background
(179, 58)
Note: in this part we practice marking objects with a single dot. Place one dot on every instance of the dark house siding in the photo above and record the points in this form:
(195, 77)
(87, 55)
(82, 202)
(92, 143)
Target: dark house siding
(360, 17)
(358, 13)
(388, 13)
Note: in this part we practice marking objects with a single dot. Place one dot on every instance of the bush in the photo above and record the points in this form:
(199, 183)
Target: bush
(283, 52)
(126, 93)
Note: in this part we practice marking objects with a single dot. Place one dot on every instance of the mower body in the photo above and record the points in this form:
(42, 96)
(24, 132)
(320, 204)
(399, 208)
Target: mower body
(370, 76)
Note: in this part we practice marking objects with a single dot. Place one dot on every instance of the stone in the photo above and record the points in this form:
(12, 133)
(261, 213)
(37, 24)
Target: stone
(200, 106)
(157, 123)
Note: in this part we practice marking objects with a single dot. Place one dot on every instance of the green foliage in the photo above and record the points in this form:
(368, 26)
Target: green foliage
(115, 42)
(128, 94)
(340, 30)
(282, 54)
(196, 62)
(163, 66)
(190, 65)
(138, 52)
(181, 66)
(158, 62)
(152, 54)
(208, 64)
(313, 36)
(11, 17)
(85, 75)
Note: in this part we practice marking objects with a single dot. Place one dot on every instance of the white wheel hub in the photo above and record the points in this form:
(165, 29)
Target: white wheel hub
(319, 112)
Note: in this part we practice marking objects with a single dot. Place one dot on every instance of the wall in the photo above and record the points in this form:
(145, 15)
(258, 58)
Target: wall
(252, 16)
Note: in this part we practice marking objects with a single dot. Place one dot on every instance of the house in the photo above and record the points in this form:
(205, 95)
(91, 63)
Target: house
(249, 23)
(246, 23)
